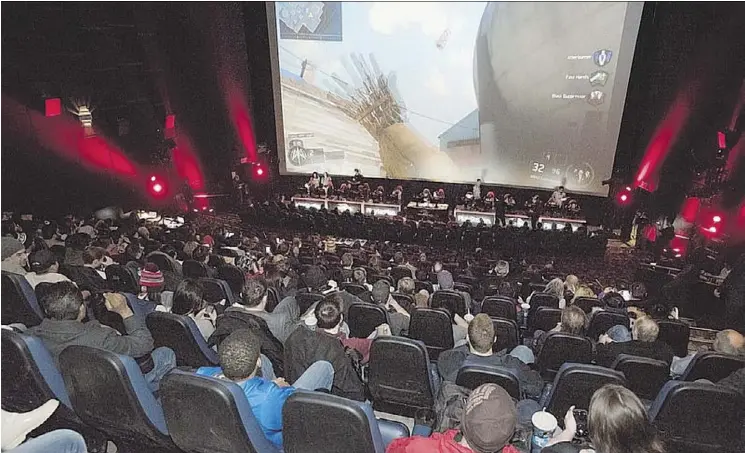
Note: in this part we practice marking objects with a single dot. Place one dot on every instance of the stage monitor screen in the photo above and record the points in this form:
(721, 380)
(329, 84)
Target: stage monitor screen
(515, 93)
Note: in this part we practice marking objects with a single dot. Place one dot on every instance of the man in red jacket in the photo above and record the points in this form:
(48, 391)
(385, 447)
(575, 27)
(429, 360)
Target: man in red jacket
(487, 425)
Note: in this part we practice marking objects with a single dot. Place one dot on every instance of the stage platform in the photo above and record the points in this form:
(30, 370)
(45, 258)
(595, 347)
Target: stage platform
(369, 208)
(462, 216)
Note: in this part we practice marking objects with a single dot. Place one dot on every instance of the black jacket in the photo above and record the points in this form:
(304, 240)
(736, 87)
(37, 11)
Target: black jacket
(305, 347)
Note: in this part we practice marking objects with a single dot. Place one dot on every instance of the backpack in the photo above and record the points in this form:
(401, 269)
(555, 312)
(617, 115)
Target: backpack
(449, 406)
(236, 319)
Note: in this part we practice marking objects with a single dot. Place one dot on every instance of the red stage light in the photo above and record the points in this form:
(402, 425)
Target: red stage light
(52, 107)
(713, 229)
(624, 197)
(717, 219)
(152, 178)
(157, 188)
(259, 171)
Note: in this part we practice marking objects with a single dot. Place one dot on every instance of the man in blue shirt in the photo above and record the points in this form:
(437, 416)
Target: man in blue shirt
(241, 363)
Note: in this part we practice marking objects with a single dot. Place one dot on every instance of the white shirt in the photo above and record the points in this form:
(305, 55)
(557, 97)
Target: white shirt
(50, 277)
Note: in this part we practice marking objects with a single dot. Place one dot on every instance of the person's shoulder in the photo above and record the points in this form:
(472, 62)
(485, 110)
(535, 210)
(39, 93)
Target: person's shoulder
(212, 371)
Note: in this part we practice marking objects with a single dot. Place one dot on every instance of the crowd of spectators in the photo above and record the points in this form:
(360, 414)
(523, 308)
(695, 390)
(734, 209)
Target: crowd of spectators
(289, 317)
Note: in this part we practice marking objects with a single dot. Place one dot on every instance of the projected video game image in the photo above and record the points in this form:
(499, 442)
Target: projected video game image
(521, 94)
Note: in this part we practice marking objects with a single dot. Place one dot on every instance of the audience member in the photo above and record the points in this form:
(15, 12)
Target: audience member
(583, 291)
(16, 426)
(617, 422)
(401, 261)
(478, 351)
(64, 308)
(573, 321)
(152, 284)
(556, 288)
(89, 276)
(44, 269)
(282, 321)
(398, 317)
(487, 425)
(644, 343)
(406, 286)
(14, 256)
(240, 362)
(730, 342)
(421, 299)
(359, 276)
(188, 300)
(306, 346)
(570, 286)
(347, 261)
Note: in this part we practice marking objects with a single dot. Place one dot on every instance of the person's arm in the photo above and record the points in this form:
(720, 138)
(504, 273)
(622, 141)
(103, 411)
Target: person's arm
(138, 341)
(460, 321)
(399, 309)
(570, 429)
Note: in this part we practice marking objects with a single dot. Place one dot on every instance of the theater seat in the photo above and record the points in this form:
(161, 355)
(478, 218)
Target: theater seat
(713, 366)
(604, 320)
(194, 269)
(182, 335)
(364, 318)
(320, 423)
(420, 285)
(472, 376)
(543, 300)
(353, 288)
(575, 384)
(499, 307)
(560, 348)
(306, 300)
(698, 417)
(216, 290)
(645, 376)
(676, 334)
(233, 276)
(30, 379)
(405, 301)
(433, 327)
(586, 303)
(272, 298)
(109, 392)
(207, 415)
(508, 335)
(399, 272)
(399, 376)
(122, 279)
(544, 318)
(163, 261)
(452, 300)
(19, 301)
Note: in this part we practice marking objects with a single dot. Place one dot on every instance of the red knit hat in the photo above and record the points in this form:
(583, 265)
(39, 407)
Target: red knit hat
(151, 276)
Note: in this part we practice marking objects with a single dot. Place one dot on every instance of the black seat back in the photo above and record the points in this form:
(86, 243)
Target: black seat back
(586, 303)
(122, 279)
(507, 332)
(463, 287)
(306, 300)
(713, 366)
(433, 327)
(163, 261)
(399, 272)
(405, 301)
(676, 334)
(420, 285)
(194, 269)
(364, 318)
(499, 307)
(559, 348)
(233, 275)
(221, 422)
(544, 318)
(216, 290)
(645, 376)
(453, 301)
(399, 379)
(604, 320)
(693, 416)
(353, 288)
(19, 301)
(108, 391)
(575, 384)
(472, 376)
(316, 422)
(181, 335)
(376, 278)
(543, 300)
(272, 299)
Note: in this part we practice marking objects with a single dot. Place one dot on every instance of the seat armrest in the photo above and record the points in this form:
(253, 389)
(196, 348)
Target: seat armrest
(390, 430)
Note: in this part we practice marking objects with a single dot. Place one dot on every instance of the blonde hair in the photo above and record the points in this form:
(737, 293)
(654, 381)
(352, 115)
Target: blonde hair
(583, 291)
(618, 423)
(571, 283)
(573, 320)
(555, 287)
(645, 329)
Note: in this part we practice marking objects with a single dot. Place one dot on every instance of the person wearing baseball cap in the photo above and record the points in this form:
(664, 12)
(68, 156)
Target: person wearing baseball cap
(44, 268)
(487, 425)
(13, 256)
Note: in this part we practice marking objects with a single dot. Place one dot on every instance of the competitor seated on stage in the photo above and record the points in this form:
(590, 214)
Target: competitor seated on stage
(426, 196)
(343, 191)
(439, 196)
(327, 185)
(313, 184)
(557, 198)
(490, 199)
(509, 201)
(378, 195)
(573, 207)
(397, 194)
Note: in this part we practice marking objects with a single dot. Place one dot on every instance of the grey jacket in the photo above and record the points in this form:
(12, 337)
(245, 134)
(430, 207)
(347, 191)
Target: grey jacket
(57, 335)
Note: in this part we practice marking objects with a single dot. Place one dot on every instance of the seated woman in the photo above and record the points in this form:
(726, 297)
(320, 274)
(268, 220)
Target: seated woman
(573, 321)
(189, 300)
(397, 194)
(327, 185)
(616, 421)
(426, 196)
(439, 196)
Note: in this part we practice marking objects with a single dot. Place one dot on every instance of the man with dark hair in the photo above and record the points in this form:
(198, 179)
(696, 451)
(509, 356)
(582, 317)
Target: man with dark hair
(326, 342)
(478, 351)
(398, 317)
(316, 282)
(282, 321)
(400, 260)
(240, 362)
(63, 304)
(13, 255)
(44, 268)
(88, 276)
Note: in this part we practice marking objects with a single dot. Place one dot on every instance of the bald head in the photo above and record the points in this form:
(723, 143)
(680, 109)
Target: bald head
(730, 342)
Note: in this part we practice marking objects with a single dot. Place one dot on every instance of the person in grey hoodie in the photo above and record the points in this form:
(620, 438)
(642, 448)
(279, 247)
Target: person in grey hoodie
(63, 326)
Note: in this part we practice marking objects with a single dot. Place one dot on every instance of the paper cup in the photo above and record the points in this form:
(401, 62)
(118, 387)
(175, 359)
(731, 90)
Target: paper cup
(311, 323)
(544, 425)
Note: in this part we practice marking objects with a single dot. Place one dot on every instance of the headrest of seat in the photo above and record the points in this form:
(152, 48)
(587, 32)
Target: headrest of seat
(316, 422)
(569, 369)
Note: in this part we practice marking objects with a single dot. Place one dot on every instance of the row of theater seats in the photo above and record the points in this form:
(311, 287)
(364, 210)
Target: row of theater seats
(105, 396)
